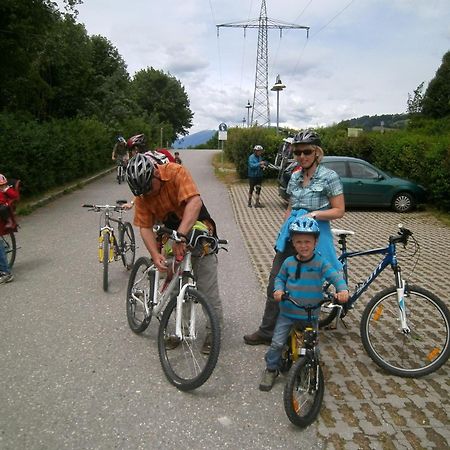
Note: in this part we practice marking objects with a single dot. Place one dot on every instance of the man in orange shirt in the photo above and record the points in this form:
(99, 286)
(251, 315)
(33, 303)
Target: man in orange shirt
(167, 193)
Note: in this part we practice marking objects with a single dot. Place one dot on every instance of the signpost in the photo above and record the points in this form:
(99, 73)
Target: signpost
(222, 137)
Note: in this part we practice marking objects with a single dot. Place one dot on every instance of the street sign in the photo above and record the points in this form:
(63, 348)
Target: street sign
(223, 131)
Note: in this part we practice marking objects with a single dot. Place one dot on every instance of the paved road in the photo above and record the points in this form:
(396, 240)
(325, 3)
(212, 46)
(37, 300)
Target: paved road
(74, 376)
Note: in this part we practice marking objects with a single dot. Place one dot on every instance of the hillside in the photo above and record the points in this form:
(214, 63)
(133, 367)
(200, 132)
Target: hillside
(368, 122)
(192, 140)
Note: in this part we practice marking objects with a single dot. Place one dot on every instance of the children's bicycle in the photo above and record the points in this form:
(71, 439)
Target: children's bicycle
(187, 321)
(405, 329)
(304, 389)
(111, 248)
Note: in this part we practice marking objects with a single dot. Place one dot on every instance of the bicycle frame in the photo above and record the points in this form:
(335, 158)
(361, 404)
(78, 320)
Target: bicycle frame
(390, 258)
(160, 298)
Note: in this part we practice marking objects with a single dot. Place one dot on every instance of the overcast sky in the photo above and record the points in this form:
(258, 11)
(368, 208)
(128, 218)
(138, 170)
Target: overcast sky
(361, 57)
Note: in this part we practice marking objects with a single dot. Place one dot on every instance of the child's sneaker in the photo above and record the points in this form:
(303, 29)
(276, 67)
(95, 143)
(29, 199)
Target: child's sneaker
(268, 380)
(6, 277)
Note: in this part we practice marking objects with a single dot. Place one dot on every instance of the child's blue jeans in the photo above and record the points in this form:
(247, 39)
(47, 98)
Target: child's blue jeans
(3, 261)
(280, 334)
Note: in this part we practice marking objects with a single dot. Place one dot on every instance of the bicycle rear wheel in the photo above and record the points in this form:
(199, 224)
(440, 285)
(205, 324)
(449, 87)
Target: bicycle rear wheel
(106, 238)
(411, 354)
(185, 363)
(119, 173)
(9, 242)
(139, 291)
(127, 244)
(303, 392)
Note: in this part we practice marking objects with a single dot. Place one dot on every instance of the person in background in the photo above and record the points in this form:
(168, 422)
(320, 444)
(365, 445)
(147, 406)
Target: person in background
(120, 151)
(316, 192)
(256, 166)
(177, 158)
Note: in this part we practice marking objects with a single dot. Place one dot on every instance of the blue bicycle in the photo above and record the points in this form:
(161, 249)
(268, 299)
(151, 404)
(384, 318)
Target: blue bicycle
(405, 329)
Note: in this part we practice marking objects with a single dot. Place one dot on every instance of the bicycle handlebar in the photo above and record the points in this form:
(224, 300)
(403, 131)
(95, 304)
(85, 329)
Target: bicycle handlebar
(402, 236)
(285, 296)
(118, 207)
(179, 237)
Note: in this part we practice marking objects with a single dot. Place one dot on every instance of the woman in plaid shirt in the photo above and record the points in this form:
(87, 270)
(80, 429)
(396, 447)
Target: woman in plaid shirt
(316, 192)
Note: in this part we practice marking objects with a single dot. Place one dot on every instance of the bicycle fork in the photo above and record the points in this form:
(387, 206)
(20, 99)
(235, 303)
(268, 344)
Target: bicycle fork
(401, 286)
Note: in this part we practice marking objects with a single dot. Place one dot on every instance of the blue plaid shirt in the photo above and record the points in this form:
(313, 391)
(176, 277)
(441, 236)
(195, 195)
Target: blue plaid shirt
(324, 184)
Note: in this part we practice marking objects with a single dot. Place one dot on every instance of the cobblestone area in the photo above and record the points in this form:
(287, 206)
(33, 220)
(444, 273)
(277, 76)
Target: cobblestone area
(365, 408)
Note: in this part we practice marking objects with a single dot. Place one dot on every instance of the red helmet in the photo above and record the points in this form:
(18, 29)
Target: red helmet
(137, 141)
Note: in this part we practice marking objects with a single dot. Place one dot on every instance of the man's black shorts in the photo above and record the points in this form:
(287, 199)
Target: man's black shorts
(255, 181)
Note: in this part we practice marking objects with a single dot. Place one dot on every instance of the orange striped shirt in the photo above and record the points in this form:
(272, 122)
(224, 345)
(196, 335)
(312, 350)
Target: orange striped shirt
(177, 186)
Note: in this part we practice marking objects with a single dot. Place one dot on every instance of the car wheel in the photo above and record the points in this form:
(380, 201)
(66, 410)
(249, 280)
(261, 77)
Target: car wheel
(403, 202)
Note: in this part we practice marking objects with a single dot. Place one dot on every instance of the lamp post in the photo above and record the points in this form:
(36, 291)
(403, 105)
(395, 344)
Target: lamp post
(243, 122)
(278, 86)
(248, 106)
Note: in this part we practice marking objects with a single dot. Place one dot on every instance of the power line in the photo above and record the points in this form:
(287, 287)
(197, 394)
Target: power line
(260, 108)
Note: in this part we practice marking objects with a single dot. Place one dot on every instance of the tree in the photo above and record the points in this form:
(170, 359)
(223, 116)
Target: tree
(164, 99)
(415, 103)
(24, 29)
(436, 101)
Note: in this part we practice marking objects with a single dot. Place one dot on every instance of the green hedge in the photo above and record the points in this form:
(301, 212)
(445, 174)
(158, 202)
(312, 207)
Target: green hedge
(50, 154)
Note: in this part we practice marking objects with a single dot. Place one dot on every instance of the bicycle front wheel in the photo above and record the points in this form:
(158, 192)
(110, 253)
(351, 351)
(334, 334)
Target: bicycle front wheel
(9, 242)
(106, 238)
(139, 292)
(412, 353)
(186, 362)
(127, 245)
(303, 392)
(119, 174)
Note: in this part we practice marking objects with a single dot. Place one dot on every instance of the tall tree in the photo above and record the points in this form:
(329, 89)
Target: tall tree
(24, 29)
(164, 99)
(415, 102)
(436, 101)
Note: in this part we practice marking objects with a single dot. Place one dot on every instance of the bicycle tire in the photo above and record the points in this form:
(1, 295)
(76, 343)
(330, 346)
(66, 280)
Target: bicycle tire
(138, 284)
(127, 244)
(119, 174)
(105, 261)
(302, 395)
(9, 243)
(414, 354)
(185, 366)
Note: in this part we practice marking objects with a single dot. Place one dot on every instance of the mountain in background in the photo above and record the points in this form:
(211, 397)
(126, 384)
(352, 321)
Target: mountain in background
(192, 140)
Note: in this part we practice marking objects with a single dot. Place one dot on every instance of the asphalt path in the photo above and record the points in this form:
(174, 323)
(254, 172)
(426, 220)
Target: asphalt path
(74, 376)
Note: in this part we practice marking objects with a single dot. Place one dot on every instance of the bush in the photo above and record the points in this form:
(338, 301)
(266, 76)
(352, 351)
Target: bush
(50, 154)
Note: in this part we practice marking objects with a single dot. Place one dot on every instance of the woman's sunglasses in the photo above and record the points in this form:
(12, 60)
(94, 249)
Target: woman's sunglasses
(306, 152)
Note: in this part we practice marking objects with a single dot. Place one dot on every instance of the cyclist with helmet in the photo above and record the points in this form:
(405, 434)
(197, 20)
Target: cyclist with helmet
(120, 151)
(301, 276)
(138, 144)
(256, 165)
(316, 192)
(167, 194)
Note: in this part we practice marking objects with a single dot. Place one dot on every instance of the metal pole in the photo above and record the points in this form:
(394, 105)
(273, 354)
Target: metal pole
(278, 111)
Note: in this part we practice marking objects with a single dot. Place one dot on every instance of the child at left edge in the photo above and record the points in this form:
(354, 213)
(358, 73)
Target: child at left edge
(301, 276)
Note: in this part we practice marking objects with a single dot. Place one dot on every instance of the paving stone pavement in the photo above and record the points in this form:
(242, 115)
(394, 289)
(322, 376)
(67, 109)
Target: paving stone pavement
(364, 407)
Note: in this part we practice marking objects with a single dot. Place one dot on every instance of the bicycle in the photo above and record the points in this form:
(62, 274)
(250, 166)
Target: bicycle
(405, 329)
(121, 167)
(186, 317)
(10, 245)
(109, 247)
(304, 388)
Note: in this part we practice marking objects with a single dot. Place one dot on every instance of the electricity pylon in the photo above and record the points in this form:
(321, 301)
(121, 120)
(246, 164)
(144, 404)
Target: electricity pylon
(260, 108)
